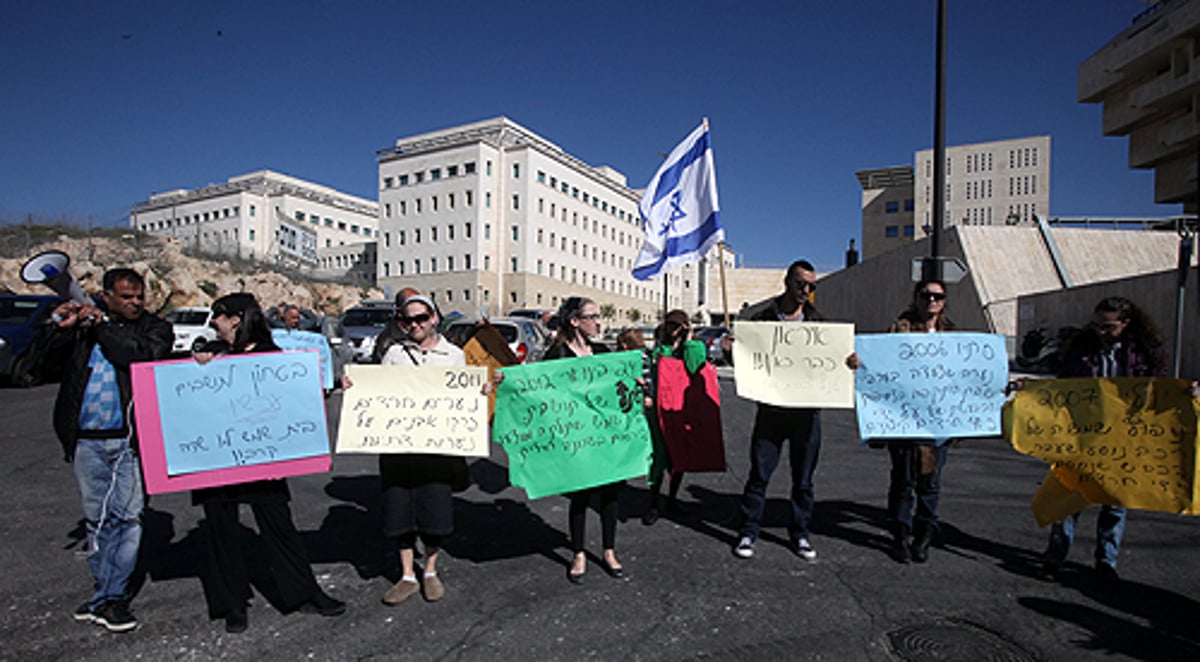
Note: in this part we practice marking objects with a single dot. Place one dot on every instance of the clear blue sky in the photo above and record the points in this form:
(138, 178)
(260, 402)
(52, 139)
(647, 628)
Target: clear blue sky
(107, 102)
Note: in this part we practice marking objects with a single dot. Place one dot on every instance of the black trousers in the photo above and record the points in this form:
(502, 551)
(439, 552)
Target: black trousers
(228, 586)
(577, 515)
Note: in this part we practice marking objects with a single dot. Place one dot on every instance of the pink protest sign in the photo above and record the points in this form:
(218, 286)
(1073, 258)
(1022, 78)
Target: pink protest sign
(149, 413)
(689, 411)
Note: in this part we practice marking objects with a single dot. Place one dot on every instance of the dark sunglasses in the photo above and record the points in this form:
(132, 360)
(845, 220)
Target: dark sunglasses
(932, 296)
(811, 286)
(415, 319)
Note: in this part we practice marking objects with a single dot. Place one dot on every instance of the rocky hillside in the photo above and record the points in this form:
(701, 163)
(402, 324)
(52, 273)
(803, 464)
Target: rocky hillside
(174, 279)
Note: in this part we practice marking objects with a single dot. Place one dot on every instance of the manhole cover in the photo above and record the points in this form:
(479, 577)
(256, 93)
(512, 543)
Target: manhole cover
(954, 640)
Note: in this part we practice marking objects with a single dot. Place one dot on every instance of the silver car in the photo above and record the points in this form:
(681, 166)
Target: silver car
(525, 337)
(362, 325)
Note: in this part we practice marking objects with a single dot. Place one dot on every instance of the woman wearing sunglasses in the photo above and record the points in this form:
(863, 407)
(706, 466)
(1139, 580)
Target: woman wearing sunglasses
(917, 466)
(418, 488)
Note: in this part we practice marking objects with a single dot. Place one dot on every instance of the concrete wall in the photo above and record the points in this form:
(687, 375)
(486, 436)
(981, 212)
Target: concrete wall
(1155, 293)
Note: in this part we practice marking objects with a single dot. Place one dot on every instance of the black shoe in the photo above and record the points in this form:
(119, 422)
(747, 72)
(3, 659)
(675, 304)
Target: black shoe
(900, 550)
(650, 517)
(324, 605)
(115, 616)
(1106, 573)
(237, 621)
(920, 546)
(575, 578)
(615, 573)
(84, 613)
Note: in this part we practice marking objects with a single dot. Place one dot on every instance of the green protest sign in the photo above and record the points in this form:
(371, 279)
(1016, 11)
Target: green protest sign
(571, 424)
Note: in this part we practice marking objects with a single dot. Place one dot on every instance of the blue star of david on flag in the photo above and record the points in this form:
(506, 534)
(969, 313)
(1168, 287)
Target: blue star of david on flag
(680, 212)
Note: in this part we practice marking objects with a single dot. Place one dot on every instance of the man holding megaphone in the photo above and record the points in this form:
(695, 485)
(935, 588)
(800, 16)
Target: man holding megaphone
(93, 418)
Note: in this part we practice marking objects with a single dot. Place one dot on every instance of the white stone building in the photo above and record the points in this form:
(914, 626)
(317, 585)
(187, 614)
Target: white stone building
(490, 217)
(263, 215)
(1003, 182)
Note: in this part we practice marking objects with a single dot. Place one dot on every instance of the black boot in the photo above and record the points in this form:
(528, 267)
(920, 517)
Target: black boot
(900, 545)
(920, 544)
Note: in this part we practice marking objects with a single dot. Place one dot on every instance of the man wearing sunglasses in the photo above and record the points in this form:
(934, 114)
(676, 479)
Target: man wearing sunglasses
(773, 425)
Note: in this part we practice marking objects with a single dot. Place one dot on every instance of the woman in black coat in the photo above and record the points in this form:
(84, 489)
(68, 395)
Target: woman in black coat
(241, 329)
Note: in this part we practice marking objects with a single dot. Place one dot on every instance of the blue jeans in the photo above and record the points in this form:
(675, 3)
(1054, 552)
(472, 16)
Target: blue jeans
(906, 479)
(1110, 528)
(801, 428)
(110, 484)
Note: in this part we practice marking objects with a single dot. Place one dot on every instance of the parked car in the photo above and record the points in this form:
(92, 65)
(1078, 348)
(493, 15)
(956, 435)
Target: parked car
(339, 344)
(711, 337)
(362, 325)
(21, 317)
(527, 338)
(192, 330)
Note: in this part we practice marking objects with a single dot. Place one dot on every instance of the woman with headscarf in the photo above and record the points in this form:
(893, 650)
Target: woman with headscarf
(242, 329)
(418, 488)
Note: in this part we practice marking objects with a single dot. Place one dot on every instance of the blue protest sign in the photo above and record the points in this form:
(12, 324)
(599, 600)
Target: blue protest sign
(240, 410)
(287, 339)
(930, 385)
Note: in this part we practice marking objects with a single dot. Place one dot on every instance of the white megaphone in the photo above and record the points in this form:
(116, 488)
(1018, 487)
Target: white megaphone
(50, 268)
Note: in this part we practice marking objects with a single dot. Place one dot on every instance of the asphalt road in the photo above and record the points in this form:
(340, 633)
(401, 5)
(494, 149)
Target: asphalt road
(686, 596)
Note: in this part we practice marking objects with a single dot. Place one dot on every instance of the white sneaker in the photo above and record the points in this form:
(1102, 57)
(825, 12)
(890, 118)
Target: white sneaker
(804, 550)
(744, 549)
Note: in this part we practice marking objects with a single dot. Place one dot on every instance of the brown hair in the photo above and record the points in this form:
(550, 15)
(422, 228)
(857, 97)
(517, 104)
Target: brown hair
(631, 338)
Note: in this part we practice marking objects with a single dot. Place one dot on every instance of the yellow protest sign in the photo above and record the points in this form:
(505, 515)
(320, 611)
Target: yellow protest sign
(794, 364)
(1127, 441)
(414, 409)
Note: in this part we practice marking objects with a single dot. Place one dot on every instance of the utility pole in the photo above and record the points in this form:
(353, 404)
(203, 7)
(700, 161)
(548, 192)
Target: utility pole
(932, 268)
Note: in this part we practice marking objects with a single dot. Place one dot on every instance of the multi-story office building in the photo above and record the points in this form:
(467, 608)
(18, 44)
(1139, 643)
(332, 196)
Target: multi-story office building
(265, 215)
(491, 217)
(992, 183)
(1148, 79)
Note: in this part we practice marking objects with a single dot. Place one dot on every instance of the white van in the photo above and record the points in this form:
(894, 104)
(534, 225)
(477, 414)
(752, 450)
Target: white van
(191, 328)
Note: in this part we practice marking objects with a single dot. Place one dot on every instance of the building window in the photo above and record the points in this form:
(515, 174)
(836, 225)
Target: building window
(539, 267)
(488, 169)
(541, 177)
(909, 231)
(908, 205)
(433, 233)
(891, 231)
(251, 234)
(516, 201)
(469, 198)
(450, 200)
(891, 207)
(516, 171)
(400, 238)
(435, 173)
(469, 168)
(516, 233)
(539, 235)
(467, 261)
(433, 265)
(487, 262)
(418, 177)
(417, 236)
(403, 208)
(452, 171)
(341, 225)
(541, 205)
(387, 182)
(402, 180)
(251, 210)
(387, 210)
(514, 265)
(487, 230)
(329, 222)
(449, 263)
(450, 232)
(468, 230)
(400, 265)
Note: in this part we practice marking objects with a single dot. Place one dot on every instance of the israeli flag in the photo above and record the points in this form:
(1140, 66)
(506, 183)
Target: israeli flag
(680, 212)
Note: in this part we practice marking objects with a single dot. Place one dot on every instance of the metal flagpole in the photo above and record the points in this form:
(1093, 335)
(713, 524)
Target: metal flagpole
(724, 293)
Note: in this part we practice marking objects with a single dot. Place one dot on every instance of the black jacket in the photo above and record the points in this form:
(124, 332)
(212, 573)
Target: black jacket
(124, 343)
(768, 311)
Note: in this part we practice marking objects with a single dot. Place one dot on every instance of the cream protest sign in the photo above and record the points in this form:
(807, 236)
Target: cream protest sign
(407, 409)
(794, 364)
